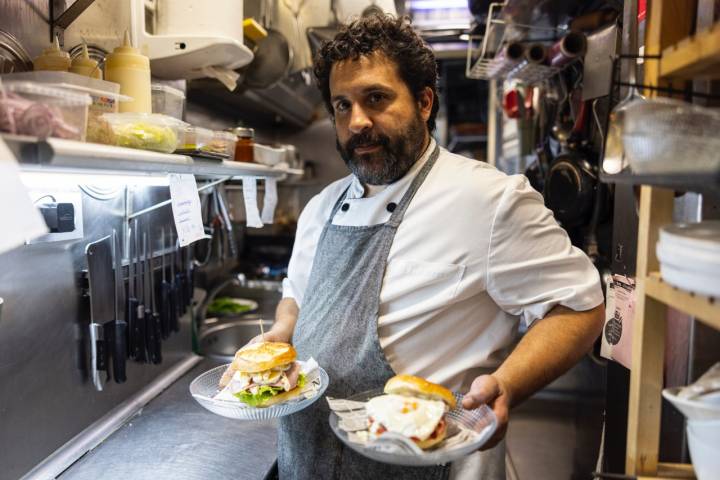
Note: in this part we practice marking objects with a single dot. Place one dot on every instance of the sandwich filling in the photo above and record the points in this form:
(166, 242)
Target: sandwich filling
(256, 388)
(412, 417)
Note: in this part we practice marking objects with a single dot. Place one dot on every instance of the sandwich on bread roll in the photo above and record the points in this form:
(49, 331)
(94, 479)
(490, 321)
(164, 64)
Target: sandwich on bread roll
(264, 373)
(412, 407)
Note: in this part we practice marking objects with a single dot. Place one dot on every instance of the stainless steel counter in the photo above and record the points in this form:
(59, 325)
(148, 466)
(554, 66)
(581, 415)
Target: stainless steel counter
(174, 437)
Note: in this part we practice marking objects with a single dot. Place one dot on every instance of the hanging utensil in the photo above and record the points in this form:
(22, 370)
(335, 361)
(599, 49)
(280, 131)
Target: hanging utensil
(120, 332)
(100, 280)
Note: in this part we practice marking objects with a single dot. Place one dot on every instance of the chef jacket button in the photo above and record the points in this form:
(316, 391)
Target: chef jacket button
(391, 207)
(345, 207)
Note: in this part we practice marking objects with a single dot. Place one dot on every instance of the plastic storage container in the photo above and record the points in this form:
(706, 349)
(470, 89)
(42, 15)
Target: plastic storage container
(194, 138)
(222, 144)
(145, 131)
(270, 156)
(167, 100)
(105, 97)
(28, 108)
(663, 135)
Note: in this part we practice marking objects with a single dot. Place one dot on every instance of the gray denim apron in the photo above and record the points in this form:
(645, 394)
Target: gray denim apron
(338, 327)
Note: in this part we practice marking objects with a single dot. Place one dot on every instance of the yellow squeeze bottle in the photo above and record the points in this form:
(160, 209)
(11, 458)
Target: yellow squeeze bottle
(52, 58)
(86, 66)
(128, 67)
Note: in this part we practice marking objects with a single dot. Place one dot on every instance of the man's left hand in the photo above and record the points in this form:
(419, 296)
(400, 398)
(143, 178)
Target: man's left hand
(488, 389)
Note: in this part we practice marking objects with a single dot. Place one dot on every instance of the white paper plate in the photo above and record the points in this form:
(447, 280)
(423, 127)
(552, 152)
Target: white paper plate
(690, 259)
(705, 408)
(205, 387)
(480, 420)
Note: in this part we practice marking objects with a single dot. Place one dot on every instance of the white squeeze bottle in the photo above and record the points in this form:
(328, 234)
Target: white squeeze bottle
(53, 59)
(128, 67)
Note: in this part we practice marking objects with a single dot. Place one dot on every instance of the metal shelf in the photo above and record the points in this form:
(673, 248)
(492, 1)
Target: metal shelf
(705, 309)
(697, 56)
(693, 182)
(71, 156)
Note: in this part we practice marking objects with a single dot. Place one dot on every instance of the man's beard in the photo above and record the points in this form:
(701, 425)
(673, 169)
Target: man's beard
(391, 161)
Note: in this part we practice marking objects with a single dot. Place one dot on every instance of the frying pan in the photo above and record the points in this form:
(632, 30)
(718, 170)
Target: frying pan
(272, 62)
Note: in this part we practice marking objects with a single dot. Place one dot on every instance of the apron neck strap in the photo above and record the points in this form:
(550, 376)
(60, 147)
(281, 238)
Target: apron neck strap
(399, 211)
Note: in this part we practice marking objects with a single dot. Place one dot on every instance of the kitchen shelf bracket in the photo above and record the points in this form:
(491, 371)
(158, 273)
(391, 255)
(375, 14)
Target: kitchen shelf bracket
(59, 21)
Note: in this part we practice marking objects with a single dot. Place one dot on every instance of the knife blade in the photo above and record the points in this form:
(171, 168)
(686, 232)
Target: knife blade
(131, 310)
(164, 292)
(99, 258)
(177, 288)
(174, 312)
(156, 320)
(140, 346)
(120, 331)
(147, 302)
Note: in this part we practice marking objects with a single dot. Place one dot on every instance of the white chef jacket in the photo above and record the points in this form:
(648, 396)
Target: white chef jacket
(476, 252)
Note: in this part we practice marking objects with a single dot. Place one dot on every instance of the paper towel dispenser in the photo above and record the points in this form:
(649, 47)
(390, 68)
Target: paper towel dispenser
(181, 37)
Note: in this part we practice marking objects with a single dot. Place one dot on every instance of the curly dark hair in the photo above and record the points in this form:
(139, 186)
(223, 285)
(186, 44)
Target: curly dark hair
(392, 36)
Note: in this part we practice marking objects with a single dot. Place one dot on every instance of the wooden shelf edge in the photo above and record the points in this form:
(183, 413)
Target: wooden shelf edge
(705, 309)
(670, 471)
(694, 57)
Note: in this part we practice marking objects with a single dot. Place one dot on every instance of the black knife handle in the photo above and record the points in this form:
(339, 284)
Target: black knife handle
(104, 348)
(131, 319)
(165, 311)
(120, 351)
(172, 295)
(157, 328)
(140, 345)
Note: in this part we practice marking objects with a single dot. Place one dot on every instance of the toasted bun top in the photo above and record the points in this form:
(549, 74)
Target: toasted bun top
(261, 356)
(419, 387)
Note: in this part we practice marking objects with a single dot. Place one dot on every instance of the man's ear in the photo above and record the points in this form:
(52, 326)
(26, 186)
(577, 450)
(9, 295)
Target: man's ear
(425, 103)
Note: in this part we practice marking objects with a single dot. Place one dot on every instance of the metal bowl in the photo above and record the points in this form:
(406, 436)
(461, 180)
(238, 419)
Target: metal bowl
(221, 339)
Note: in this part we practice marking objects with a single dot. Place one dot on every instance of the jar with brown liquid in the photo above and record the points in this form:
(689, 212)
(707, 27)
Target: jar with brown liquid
(244, 148)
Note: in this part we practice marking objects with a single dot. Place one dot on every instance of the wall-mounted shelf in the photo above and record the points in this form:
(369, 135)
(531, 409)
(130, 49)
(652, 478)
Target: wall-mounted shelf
(692, 181)
(706, 309)
(71, 156)
(697, 56)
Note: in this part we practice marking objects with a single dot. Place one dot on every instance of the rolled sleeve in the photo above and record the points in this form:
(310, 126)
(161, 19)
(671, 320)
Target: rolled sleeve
(532, 266)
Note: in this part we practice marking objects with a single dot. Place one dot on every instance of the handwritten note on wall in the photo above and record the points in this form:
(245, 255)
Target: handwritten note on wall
(186, 208)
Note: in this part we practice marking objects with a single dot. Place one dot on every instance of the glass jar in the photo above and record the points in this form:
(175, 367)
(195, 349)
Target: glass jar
(244, 148)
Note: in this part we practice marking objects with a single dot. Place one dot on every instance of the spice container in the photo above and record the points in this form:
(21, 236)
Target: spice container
(52, 58)
(145, 131)
(167, 100)
(27, 108)
(126, 66)
(244, 151)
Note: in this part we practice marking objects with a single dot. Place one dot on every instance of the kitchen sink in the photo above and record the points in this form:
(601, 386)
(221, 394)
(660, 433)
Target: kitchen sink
(220, 339)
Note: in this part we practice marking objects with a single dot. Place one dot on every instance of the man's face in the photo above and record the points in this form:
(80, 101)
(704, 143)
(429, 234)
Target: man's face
(380, 126)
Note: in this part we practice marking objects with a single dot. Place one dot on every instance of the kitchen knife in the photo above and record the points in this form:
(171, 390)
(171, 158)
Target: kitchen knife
(120, 331)
(99, 258)
(164, 292)
(189, 274)
(151, 314)
(157, 321)
(132, 302)
(177, 289)
(140, 346)
(183, 282)
(174, 312)
(147, 302)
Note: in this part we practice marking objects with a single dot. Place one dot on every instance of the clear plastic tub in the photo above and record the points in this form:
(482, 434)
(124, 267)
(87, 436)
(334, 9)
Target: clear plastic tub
(105, 97)
(223, 144)
(145, 131)
(192, 139)
(270, 156)
(31, 108)
(167, 100)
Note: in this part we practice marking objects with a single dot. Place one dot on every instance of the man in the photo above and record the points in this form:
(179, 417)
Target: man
(420, 262)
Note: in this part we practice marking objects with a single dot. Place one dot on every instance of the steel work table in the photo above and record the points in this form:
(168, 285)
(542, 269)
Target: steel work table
(174, 437)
